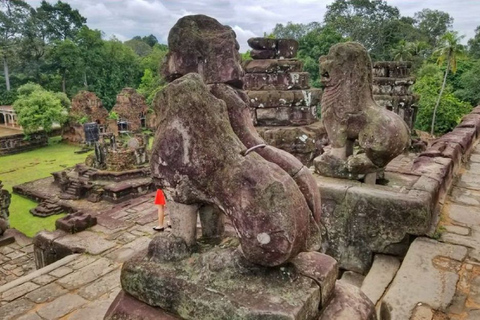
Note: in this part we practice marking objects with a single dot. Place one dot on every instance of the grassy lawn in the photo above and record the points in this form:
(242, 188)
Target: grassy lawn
(33, 165)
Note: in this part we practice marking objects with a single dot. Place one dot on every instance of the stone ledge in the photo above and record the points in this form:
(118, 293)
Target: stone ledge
(289, 98)
(276, 81)
(39, 272)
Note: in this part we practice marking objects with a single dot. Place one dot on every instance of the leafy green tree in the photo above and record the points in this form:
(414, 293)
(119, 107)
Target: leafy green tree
(39, 109)
(314, 44)
(474, 45)
(450, 110)
(433, 24)
(90, 45)
(120, 69)
(470, 84)
(61, 21)
(151, 40)
(140, 47)
(65, 58)
(293, 30)
(402, 52)
(369, 22)
(13, 16)
(150, 85)
(449, 50)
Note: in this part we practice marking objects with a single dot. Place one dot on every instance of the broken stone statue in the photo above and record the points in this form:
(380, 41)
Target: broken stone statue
(208, 155)
(350, 115)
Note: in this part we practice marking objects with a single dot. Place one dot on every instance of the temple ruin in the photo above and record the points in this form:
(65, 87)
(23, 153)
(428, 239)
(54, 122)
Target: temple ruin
(131, 110)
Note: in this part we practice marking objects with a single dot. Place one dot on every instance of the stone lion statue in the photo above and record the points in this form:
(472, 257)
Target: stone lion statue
(349, 113)
(5, 199)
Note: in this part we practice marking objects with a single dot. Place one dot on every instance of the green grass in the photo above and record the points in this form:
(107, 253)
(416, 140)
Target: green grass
(33, 165)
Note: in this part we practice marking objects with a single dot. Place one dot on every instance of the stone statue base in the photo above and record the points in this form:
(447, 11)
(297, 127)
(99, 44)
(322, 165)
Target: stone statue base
(216, 282)
(362, 219)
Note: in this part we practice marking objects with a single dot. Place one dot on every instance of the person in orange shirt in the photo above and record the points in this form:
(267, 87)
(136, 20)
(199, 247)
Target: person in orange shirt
(160, 202)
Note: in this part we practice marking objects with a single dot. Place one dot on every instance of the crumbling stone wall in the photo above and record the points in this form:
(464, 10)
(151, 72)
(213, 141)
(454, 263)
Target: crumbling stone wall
(131, 107)
(16, 143)
(284, 107)
(392, 83)
(84, 104)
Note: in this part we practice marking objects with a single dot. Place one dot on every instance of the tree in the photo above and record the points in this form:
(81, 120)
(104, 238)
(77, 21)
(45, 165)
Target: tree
(433, 24)
(293, 30)
(61, 21)
(90, 45)
(65, 58)
(474, 45)
(451, 109)
(140, 47)
(449, 50)
(13, 15)
(470, 84)
(368, 22)
(314, 44)
(40, 109)
(402, 52)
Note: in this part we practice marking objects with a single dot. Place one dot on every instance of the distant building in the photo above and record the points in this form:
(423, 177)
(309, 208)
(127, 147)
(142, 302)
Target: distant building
(8, 117)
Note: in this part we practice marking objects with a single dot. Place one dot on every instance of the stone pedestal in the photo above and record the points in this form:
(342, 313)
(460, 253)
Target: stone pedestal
(216, 282)
(362, 219)
(281, 98)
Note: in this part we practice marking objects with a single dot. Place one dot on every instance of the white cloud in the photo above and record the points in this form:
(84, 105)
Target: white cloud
(128, 18)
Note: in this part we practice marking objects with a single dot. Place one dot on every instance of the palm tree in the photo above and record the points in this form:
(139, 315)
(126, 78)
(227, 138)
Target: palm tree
(402, 52)
(450, 49)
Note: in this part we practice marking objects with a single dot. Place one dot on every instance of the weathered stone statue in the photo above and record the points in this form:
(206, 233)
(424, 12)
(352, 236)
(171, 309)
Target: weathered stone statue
(350, 114)
(5, 199)
(207, 154)
(202, 45)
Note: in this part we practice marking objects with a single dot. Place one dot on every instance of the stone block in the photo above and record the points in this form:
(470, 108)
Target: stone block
(61, 306)
(286, 48)
(15, 309)
(348, 302)
(184, 221)
(101, 286)
(353, 278)
(46, 293)
(125, 307)
(276, 81)
(429, 274)
(273, 66)
(321, 268)
(290, 98)
(168, 247)
(379, 277)
(228, 286)
(18, 291)
(284, 116)
(263, 54)
(259, 43)
(87, 274)
(360, 220)
(75, 222)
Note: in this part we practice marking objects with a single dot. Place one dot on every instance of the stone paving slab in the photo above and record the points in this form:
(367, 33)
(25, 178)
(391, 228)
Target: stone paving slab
(428, 275)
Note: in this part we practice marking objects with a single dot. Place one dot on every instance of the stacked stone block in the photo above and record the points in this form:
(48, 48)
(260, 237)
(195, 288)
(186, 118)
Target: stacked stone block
(282, 102)
(392, 83)
(279, 91)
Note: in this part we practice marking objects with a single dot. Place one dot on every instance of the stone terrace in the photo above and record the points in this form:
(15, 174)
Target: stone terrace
(79, 286)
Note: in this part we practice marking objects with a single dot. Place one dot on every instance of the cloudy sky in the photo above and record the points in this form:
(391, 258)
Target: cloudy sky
(128, 18)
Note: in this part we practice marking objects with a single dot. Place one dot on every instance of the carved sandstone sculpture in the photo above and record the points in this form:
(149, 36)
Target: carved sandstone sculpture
(202, 45)
(349, 113)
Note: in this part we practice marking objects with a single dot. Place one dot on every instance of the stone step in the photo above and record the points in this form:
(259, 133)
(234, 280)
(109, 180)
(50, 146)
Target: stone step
(381, 274)
(428, 275)
(272, 66)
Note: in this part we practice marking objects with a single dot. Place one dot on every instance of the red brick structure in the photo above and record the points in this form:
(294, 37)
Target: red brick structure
(131, 108)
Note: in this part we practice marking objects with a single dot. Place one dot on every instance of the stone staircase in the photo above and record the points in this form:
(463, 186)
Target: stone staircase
(46, 208)
(73, 190)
